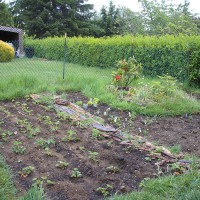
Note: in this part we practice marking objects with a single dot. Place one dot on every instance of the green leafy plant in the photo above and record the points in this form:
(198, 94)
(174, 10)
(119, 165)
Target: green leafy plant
(5, 135)
(33, 132)
(18, 148)
(62, 164)
(72, 136)
(26, 171)
(105, 191)
(127, 72)
(93, 102)
(44, 143)
(93, 155)
(76, 173)
(39, 181)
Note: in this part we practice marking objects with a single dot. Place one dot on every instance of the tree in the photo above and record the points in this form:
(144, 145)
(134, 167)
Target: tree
(5, 15)
(109, 21)
(130, 22)
(165, 18)
(42, 18)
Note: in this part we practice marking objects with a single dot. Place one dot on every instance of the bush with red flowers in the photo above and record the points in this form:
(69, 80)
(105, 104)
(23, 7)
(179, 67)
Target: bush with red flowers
(127, 72)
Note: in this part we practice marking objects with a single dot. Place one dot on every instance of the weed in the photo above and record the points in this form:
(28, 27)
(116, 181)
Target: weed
(26, 171)
(105, 191)
(96, 134)
(176, 149)
(18, 148)
(76, 173)
(34, 193)
(62, 164)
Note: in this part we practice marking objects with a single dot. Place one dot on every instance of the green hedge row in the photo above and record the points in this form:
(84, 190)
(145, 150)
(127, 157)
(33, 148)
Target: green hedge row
(177, 56)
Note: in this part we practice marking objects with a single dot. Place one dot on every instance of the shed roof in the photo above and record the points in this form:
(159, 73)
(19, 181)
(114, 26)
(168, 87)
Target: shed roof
(10, 29)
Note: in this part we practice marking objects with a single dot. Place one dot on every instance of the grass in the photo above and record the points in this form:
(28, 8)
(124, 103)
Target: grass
(183, 187)
(7, 190)
(34, 193)
(25, 76)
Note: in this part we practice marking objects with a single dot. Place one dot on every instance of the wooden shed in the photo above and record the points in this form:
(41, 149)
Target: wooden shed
(12, 35)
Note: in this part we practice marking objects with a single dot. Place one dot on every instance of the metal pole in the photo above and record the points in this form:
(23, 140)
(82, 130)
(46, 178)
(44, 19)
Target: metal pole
(65, 51)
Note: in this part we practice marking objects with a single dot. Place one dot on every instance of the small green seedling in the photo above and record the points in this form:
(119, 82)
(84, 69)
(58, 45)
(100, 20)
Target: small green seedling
(71, 137)
(93, 155)
(112, 169)
(26, 171)
(79, 103)
(5, 135)
(18, 148)
(147, 158)
(62, 164)
(48, 152)
(33, 132)
(93, 102)
(105, 191)
(76, 173)
(96, 134)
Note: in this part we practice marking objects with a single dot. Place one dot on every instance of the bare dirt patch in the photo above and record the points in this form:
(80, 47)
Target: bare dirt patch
(168, 131)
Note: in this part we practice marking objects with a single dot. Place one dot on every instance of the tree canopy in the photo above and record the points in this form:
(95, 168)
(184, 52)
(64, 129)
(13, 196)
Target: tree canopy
(5, 15)
(42, 18)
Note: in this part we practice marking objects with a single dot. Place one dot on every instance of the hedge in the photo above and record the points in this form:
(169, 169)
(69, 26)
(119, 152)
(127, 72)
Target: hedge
(178, 56)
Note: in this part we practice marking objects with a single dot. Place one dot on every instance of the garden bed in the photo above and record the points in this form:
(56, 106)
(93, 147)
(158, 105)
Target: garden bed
(74, 162)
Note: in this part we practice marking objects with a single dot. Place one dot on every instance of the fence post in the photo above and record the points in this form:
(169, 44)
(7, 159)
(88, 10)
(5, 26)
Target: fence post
(65, 51)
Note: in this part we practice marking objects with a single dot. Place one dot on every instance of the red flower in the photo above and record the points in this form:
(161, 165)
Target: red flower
(118, 77)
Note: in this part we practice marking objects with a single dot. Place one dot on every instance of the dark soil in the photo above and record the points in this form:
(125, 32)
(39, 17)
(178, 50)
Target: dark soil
(166, 131)
(22, 117)
(131, 162)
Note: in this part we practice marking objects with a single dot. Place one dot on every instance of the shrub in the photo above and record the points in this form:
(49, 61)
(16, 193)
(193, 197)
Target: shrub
(7, 52)
(127, 72)
(176, 56)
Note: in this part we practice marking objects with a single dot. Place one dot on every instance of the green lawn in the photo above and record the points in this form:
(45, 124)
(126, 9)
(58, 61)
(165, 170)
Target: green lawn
(25, 76)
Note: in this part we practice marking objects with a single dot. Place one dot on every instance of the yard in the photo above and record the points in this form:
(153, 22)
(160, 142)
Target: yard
(73, 160)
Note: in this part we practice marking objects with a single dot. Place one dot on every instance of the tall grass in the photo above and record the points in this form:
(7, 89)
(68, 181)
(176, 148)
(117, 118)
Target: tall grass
(183, 187)
(7, 190)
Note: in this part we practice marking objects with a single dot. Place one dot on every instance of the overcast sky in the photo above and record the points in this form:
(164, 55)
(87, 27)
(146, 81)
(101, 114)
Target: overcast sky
(133, 5)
